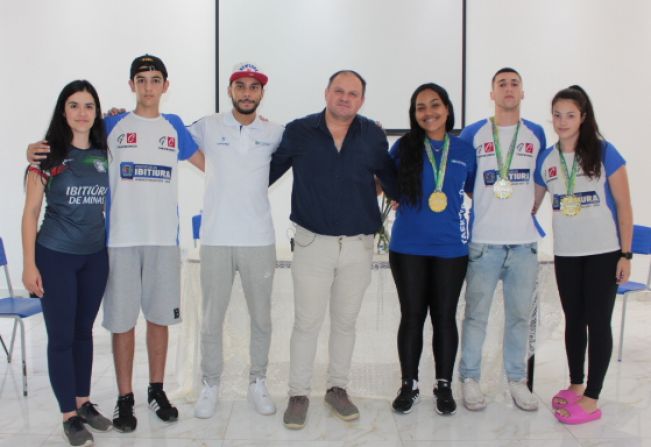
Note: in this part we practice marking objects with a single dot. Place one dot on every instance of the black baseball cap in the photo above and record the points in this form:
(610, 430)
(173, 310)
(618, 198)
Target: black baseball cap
(147, 62)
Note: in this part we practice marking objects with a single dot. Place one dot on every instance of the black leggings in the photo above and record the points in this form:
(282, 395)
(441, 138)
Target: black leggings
(428, 283)
(74, 285)
(588, 287)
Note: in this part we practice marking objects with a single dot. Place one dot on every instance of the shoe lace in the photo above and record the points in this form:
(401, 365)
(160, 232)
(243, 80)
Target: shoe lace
(261, 387)
(204, 393)
(89, 409)
(125, 407)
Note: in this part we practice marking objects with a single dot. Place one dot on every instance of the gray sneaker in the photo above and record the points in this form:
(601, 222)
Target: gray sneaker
(76, 433)
(343, 408)
(93, 418)
(294, 417)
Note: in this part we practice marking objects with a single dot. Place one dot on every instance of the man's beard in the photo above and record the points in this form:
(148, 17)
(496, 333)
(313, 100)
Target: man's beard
(245, 111)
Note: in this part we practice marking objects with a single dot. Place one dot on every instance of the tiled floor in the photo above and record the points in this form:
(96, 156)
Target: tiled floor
(626, 399)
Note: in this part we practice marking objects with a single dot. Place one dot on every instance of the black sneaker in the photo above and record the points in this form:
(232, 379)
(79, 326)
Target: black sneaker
(445, 404)
(160, 405)
(407, 397)
(89, 414)
(76, 433)
(124, 419)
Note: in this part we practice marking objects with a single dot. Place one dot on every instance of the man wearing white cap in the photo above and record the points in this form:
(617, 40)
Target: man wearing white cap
(237, 231)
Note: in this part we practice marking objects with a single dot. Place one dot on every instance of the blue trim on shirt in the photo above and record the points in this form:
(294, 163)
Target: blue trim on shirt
(187, 146)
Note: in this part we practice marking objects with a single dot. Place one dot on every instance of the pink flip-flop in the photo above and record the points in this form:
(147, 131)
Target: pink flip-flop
(577, 415)
(569, 396)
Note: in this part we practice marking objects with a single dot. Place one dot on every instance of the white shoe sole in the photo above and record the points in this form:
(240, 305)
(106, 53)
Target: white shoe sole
(524, 407)
(474, 406)
(416, 401)
(263, 412)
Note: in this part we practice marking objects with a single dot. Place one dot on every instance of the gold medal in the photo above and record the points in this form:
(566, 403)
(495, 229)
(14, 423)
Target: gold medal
(438, 201)
(570, 205)
(503, 188)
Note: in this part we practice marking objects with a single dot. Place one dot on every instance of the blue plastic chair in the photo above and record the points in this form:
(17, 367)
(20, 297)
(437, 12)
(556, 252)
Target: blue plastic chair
(641, 246)
(16, 308)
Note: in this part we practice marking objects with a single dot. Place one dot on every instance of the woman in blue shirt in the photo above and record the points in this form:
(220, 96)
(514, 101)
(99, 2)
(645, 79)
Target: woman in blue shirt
(428, 252)
(65, 263)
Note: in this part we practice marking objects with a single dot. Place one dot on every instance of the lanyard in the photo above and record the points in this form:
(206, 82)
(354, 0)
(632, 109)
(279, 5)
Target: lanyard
(502, 167)
(439, 175)
(570, 178)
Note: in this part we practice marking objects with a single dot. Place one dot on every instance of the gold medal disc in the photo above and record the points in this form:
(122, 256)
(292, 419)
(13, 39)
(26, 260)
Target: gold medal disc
(570, 205)
(438, 201)
(503, 188)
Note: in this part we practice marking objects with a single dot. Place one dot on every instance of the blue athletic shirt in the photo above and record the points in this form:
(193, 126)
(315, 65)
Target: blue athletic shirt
(75, 193)
(594, 230)
(418, 230)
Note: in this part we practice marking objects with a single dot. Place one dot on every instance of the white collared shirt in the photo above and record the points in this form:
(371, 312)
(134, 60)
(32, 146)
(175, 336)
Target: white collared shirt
(236, 210)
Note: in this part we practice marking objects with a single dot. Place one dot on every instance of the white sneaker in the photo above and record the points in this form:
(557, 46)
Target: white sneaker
(207, 402)
(259, 396)
(473, 398)
(522, 397)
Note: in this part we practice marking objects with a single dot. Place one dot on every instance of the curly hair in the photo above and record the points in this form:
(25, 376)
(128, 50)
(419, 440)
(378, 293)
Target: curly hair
(410, 149)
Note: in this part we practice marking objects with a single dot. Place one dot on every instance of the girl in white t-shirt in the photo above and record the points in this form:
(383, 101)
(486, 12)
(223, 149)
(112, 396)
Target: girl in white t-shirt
(593, 224)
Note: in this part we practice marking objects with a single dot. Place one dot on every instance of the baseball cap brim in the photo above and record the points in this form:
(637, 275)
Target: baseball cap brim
(250, 74)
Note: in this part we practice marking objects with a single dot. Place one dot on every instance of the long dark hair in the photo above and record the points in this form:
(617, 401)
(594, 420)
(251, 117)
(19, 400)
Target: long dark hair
(59, 134)
(410, 149)
(590, 144)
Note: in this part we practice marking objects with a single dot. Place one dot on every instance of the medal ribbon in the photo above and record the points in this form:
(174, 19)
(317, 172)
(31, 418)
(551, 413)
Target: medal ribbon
(570, 178)
(439, 175)
(502, 167)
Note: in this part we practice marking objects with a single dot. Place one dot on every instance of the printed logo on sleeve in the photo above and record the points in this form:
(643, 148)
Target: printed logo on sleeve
(525, 149)
(167, 144)
(552, 172)
(516, 176)
(587, 198)
(127, 140)
(144, 172)
(485, 149)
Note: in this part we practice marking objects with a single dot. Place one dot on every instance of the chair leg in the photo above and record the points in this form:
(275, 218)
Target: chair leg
(13, 339)
(621, 328)
(2, 342)
(22, 350)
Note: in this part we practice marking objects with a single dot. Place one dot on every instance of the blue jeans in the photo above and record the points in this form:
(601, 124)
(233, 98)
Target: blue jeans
(517, 267)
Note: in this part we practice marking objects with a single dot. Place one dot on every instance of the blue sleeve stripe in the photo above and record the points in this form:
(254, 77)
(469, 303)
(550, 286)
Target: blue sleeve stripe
(612, 159)
(111, 121)
(187, 146)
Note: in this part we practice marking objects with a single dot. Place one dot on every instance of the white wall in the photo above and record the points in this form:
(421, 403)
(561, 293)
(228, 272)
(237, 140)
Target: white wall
(46, 44)
(601, 44)
(301, 43)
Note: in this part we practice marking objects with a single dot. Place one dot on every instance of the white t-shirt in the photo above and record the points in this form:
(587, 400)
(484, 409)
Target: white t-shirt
(594, 229)
(143, 194)
(504, 221)
(236, 210)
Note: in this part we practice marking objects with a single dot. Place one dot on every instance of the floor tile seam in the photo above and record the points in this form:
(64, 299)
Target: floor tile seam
(228, 423)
